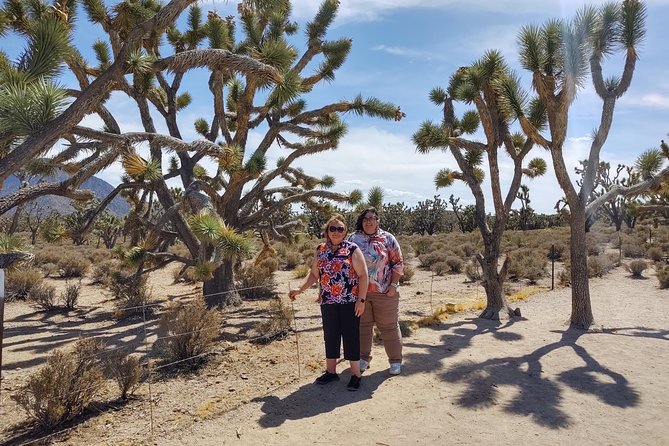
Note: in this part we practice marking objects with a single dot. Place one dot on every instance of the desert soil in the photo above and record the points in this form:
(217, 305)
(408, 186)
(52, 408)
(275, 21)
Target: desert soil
(531, 380)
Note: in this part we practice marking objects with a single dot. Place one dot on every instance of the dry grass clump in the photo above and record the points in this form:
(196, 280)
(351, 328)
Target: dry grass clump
(527, 264)
(633, 249)
(44, 296)
(277, 324)
(255, 282)
(64, 386)
(662, 273)
(125, 370)
(655, 253)
(71, 266)
(301, 271)
(70, 296)
(103, 270)
(636, 268)
(473, 271)
(20, 281)
(131, 293)
(188, 332)
(600, 265)
(292, 259)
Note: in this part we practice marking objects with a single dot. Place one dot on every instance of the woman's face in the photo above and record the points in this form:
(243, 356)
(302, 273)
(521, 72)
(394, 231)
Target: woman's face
(336, 232)
(370, 223)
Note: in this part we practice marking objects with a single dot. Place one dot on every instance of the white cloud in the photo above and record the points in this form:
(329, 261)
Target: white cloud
(650, 100)
(410, 52)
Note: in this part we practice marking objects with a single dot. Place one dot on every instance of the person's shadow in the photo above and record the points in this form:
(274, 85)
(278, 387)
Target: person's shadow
(312, 399)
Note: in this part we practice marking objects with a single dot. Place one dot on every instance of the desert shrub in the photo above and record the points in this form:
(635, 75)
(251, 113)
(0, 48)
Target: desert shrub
(189, 331)
(473, 271)
(255, 282)
(556, 251)
(636, 267)
(103, 270)
(301, 271)
(45, 256)
(277, 325)
(633, 249)
(292, 259)
(468, 249)
(662, 273)
(429, 259)
(125, 370)
(408, 274)
(593, 245)
(70, 296)
(64, 386)
(527, 264)
(19, 282)
(599, 265)
(455, 264)
(131, 293)
(655, 254)
(271, 264)
(421, 245)
(49, 269)
(439, 268)
(407, 328)
(72, 266)
(44, 296)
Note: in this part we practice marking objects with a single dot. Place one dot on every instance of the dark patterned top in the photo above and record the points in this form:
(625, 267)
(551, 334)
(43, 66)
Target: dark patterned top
(338, 282)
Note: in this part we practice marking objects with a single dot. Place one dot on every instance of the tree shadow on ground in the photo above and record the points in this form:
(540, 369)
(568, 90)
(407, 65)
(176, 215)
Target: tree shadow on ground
(538, 396)
(300, 404)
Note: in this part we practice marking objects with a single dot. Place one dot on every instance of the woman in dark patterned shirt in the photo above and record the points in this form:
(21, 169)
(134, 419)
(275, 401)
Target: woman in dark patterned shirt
(341, 273)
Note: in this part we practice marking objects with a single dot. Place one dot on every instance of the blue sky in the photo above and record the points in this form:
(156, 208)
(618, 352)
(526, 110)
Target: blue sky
(401, 50)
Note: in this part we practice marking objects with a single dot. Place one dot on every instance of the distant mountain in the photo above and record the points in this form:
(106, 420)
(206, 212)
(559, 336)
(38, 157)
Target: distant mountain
(61, 205)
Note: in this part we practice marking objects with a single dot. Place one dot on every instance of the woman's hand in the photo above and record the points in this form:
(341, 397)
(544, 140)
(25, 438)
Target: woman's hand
(293, 294)
(391, 291)
(359, 308)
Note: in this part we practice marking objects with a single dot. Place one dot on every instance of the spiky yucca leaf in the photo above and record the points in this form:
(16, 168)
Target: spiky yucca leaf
(27, 108)
(633, 21)
(375, 197)
(140, 62)
(207, 227)
(217, 32)
(287, 90)
(375, 108)
(324, 17)
(97, 13)
(535, 168)
(295, 108)
(233, 245)
(134, 255)
(354, 197)
(327, 182)
(134, 165)
(532, 56)
(203, 271)
(474, 157)
(538, 114)
(445, 178)
(200, 172)
(10, 242)
(256, 164)
(438, 96)
(153, 171)
(231, 158)
(102, 53)
(184, 100)
(479, 175)
(649, 163)
(429, 136)
(202, 126)
(470, 122)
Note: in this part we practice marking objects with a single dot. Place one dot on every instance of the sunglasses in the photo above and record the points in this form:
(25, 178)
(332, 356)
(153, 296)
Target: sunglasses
(339, 229)
(372, 218)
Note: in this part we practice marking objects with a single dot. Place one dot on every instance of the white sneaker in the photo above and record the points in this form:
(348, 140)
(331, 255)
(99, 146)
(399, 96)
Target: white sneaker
(363, 365)
(395, 368)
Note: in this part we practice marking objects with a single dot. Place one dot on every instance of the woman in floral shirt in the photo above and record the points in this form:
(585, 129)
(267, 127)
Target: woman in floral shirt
(341, 273)
(385, 264)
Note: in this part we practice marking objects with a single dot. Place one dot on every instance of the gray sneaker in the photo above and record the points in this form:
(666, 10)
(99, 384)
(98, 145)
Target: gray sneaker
(363, 365)
(395, 368)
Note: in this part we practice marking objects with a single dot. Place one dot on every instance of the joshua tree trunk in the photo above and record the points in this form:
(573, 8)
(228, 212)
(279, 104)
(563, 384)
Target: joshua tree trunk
(581, 310)
(220, 290)
(496, 306)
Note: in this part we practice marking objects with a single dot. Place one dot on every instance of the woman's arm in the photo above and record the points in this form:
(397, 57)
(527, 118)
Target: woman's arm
(311, 278)
(360, 267)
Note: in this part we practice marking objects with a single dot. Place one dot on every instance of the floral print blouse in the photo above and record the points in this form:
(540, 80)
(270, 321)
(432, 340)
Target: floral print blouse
(338, 282)
(382, 255)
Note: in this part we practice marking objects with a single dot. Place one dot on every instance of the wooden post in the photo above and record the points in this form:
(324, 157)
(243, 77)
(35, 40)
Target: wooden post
(552, 267)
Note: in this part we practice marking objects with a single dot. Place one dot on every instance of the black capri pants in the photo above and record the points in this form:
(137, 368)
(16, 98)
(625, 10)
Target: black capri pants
(341, 323)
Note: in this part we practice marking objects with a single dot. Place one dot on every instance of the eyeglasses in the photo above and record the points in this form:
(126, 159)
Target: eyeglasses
(339, 229)
(372, 218)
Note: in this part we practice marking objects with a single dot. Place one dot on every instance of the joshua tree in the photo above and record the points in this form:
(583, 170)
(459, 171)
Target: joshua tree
(561, 55)
(257, 87)
(490, 86)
